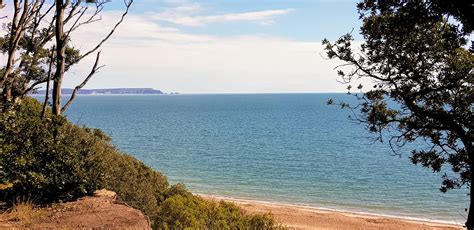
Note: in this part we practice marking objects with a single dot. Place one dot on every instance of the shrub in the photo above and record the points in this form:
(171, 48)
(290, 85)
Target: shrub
(183, 210)
(48, 160)
(135, 183)
(42, 167)
(75, 163)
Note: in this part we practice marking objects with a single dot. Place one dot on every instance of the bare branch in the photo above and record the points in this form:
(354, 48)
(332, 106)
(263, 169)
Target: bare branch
(73, 12)
(82, 12)
(99, 7)
(127, 5)
(46, 98)
(94, 70)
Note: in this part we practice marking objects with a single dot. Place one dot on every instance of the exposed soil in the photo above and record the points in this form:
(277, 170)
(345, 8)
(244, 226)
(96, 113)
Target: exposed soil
(99, 212)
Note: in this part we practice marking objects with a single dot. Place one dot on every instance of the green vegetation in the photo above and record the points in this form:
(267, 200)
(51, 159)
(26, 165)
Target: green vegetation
(38, 47)
(420, 57)
(36, 165)
(181, 209)
(45, 158)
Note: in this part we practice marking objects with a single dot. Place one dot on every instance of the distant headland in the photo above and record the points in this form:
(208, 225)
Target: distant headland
(114, 91)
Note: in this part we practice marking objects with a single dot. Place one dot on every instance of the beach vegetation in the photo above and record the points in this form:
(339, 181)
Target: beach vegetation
(184, 210)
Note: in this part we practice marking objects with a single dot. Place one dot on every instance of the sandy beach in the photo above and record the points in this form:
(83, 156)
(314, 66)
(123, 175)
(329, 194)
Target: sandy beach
(299, 217)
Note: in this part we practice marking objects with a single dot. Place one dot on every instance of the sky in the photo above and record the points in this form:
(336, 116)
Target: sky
(218, 46)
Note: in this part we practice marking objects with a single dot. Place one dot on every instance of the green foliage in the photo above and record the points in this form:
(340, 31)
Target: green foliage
(419, 59)
(135, 183)
(36, 165)
(42, 167)
(183, 210)
(418, 56)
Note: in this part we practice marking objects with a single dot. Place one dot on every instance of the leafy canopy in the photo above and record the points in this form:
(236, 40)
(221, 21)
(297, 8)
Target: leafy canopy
(417, 54)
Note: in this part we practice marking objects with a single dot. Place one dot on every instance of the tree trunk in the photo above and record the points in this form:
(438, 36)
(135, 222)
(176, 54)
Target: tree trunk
(470, 216)
(60, 57)
(7, 95)
(6, 80)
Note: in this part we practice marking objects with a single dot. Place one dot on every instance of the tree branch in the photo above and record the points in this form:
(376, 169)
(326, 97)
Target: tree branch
(128, 3)
(46, 98)
(94, 70)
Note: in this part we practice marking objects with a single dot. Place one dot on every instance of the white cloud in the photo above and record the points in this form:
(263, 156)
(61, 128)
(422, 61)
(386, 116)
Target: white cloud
(176, 1)
(145, 54)
(185, 15)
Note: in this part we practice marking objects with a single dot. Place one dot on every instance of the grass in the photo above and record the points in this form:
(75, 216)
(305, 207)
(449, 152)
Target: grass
(23, 213)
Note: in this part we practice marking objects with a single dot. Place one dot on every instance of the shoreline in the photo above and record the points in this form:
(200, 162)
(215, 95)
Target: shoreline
(310, 217)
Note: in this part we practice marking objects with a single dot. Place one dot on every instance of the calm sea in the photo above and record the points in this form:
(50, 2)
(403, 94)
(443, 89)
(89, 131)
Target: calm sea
(285, 148)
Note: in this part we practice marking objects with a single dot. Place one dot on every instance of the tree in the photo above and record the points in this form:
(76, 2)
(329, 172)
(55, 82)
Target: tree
(418, 56)
(23, 14)
(38, 51)
(62, 38)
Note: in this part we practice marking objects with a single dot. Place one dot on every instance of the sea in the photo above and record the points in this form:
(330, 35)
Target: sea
(277, 148)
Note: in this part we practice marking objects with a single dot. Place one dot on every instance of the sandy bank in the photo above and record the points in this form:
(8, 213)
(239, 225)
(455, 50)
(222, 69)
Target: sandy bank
(296, 217)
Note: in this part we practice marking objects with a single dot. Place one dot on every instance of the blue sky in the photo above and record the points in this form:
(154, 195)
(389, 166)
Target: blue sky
(304, 20)
(218, 46)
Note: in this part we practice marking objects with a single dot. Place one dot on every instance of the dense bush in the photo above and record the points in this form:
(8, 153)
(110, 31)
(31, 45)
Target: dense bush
(41, 167)
(181, 210)
(135, 183)
(47, 166)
